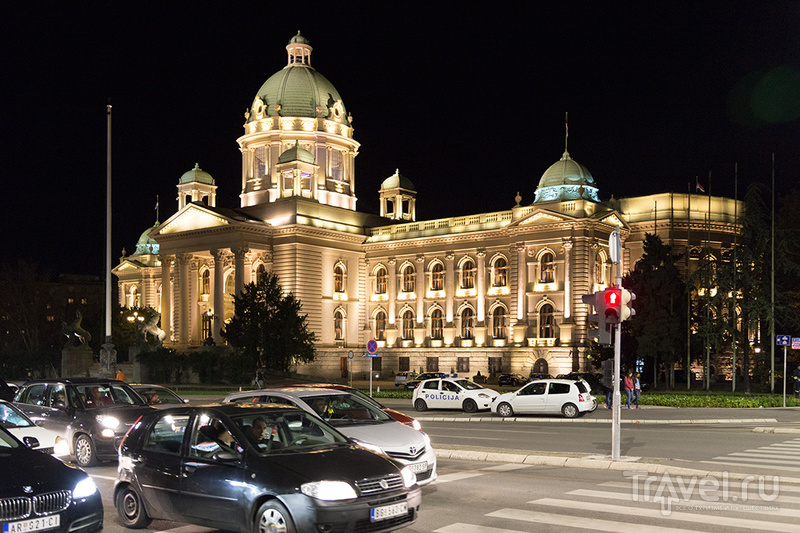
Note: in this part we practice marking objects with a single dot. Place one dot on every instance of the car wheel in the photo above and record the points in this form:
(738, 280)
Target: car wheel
(569, 410)
(130, 509)
(84, 451)
(273, 518)
(594, 404)
(470, 406)
(504, 409)
(420, 405)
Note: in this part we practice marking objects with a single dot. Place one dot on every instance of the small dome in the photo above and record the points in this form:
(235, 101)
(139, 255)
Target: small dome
(566, 179)
(296, 153)
(396, 181)
(146, 244)
(299, 38)
(197, 175)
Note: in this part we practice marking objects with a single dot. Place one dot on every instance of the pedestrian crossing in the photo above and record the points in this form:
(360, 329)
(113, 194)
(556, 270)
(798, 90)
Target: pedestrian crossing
(783, 456)
(657, 503)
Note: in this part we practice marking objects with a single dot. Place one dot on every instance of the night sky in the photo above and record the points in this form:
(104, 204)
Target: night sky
(468, 102)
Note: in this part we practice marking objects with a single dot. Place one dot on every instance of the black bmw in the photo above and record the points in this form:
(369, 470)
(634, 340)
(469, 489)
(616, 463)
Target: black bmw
(40, 493)
(258, 467)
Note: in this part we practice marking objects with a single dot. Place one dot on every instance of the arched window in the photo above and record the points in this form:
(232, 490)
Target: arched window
(261, 271)
(540, 366)
(548, 268)
(499, 273)
(134, 297)
(408, 278)
(499, 323)
(205, 282)
(546, 329)
(380, 326)
(338, 278)
(408, 325)
(468, 274)
(437, 277)
(467, 325)
(380, 281)
(338, 325)
(437, 325)
(206, 327)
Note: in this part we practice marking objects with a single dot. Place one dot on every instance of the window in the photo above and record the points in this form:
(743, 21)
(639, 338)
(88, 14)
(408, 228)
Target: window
(499, 323)
(499, 273)
(288, 182)
(467, 324)
(338, 325)
(377, 363)
(495, 365)
(540, 366)
(260, 163)
(404, 364)
(380, 281)
(548, 268)
(598, 269)
(209, 437)
(436, 324)
(408, 278)
(408, 325)
(338, 278)
(261, 271)
(205, 282)
(559, 388)
(431, 385)
(534, 389)
(380, 326)
(468, 275)
(206, 327)
(546, 329)
(462, 364)
(437, 277)
(166, 436)
(431, 364)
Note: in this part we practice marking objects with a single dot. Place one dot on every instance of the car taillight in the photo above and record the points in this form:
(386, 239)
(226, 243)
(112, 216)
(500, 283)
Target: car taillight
(580, 398)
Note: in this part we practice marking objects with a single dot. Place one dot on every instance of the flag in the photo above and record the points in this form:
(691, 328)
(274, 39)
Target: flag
(156, 207)
(697, 186)
(566, 123)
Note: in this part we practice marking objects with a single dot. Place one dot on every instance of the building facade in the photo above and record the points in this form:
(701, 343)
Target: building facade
(489, 292)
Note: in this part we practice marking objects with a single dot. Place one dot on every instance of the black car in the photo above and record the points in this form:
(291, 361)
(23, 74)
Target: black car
(411, 384)
(512, 380)
(92, 414)
(258, 467)
(39, 492)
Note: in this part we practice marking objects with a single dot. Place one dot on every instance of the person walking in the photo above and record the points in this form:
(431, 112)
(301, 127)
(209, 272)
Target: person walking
(637, 388)
(797, 381)
(628, 382)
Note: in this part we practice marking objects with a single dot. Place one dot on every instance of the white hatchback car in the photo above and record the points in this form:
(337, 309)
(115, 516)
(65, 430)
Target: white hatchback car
(359, 419)
(23, 427)
(547, 396)
(452, 393)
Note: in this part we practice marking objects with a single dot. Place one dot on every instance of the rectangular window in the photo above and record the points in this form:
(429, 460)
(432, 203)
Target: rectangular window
(495, 365)
(167, 434)
(432, 364)
(404, 364)
(377, 364)
(462, 365)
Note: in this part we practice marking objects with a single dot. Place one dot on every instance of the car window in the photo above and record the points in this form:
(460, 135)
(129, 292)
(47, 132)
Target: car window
(34, 395)
(11, 418)
(344, 409)
(468, 385)
(534, 389)
(582, 386)
(450, 387)
(101, 394)
(291, 431)
(431, 385)
(559, 388)
(166, 434)
(58, 396)
(210, 437)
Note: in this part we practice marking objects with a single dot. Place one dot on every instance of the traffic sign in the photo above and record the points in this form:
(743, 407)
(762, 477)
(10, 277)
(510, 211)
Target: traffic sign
(372, 346)
(795, 343)
(783, 340)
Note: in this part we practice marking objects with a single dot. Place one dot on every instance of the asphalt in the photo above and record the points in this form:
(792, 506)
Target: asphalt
(764, 420)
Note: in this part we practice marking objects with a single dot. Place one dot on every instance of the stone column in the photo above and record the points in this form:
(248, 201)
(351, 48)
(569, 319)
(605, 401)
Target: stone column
(567, 244)
(218, 302)
(182, 289)
(239, 254)
(391, 277)
(166, 294)
(419, 288)
(522, 280)
(449, 286)
(480, 284)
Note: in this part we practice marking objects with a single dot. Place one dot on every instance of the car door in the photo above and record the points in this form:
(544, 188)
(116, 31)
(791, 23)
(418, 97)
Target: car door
(212, 481)
(32, 403)
(557, 395)
(531, 398)
(429, 391)
(158, 465)
(57, 412)
(452, 395)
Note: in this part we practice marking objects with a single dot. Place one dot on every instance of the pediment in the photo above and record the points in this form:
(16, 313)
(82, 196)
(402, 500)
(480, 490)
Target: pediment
(541, 217)
(191, 218)
(613, 220)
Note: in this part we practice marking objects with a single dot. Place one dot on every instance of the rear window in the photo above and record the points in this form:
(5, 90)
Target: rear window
(581, 386)
(559, 388)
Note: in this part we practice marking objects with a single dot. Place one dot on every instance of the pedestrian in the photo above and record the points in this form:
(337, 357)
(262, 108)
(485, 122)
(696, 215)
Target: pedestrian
(797, 382)
(120, 375)
(637, 388)
(608, 372)
(628, 381)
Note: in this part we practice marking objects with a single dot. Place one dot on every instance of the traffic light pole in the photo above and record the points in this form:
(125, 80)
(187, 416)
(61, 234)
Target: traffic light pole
(615, 249)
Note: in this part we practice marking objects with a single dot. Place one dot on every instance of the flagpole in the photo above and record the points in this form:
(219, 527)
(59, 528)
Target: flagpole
(772, 313)
(108, 355)
(688, 290)
(735, 269)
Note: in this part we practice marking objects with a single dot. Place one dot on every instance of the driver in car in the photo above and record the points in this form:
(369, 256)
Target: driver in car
(257, 434)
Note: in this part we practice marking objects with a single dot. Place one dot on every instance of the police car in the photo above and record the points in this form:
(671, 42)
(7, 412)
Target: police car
(452, 393)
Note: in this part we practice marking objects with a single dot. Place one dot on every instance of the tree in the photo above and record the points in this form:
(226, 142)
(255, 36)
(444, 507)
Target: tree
(659, 323)
(268, 329)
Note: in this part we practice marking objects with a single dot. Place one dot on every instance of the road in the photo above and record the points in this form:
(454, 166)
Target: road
(487, 497)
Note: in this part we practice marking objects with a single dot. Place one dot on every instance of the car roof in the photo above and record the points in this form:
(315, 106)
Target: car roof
(230, 409)
(294, 392)
(553, 380)
(75, 381)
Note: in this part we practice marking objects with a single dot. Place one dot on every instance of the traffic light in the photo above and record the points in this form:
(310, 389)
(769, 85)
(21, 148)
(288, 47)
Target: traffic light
(612, 305)
(627, 305)
(596, 301)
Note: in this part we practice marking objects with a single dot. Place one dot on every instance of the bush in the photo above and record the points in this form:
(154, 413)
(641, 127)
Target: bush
(163, 365)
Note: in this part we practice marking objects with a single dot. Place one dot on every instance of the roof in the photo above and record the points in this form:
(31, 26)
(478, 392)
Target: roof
(197, 175)
(397, 181)
(566, 179)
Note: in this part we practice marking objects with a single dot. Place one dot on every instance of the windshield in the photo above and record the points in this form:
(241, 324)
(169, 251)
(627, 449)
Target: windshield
(467, 384)
(158, 396)
(103, 394)
(345, 409)
(7, 441)
(287, 431)
(11, 418)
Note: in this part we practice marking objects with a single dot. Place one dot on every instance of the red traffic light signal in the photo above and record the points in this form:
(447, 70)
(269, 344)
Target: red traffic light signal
(612, 298)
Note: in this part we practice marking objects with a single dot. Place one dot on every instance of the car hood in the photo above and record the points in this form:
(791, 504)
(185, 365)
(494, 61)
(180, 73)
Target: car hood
(46, 438)
(23, 467)
(397, 415)
(342, 463)
(508, 396)
(388, 435)
(125, 413)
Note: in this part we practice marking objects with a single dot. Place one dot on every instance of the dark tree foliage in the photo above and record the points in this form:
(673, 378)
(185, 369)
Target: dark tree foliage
(267, 329)
(659, 325)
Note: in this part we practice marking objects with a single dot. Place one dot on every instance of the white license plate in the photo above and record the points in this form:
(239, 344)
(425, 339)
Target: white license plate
(33, 524)
(388, 511)
(418, 468)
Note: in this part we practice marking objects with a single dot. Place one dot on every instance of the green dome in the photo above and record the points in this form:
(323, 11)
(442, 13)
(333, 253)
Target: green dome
(296, 153)
(298, 90)
(397, 181)
(146, 244)
(197, 175)
(566, 179)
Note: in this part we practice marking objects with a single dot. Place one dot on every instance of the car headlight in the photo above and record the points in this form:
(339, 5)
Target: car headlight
(416, 425)
(409, 477)
(427, 439)
(61, 447)
(371, 447)
(329, 490)
(110, 422)
(482, 395)
(84, 489)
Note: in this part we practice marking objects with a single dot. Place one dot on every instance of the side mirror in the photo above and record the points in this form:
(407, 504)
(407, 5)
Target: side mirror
(31, 442)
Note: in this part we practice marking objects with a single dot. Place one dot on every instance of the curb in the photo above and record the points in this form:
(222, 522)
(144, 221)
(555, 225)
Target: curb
(597, 463)
(604, 421)
(775, 430)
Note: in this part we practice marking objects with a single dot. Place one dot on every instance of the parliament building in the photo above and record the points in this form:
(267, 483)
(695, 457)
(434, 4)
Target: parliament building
(489, 292)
